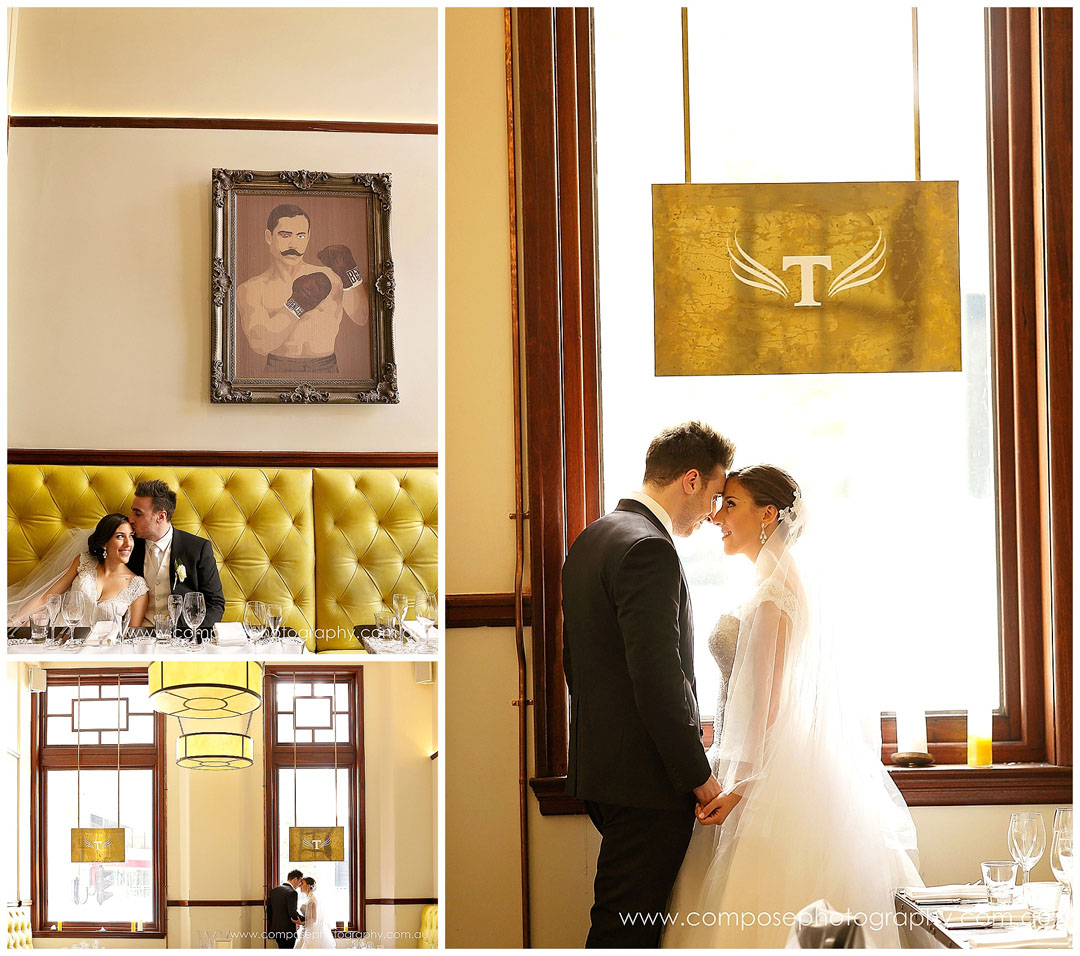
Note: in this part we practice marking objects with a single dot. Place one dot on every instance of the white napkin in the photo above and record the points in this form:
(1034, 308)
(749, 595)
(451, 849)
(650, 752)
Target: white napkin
(1018, 938)
(950, 891)
(956, 917)
(230, 634)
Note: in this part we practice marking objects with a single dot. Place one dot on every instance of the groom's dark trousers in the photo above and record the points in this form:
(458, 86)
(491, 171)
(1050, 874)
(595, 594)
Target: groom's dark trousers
(635, 734)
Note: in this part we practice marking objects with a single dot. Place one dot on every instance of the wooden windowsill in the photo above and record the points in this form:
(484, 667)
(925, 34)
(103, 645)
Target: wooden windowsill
(944, 785)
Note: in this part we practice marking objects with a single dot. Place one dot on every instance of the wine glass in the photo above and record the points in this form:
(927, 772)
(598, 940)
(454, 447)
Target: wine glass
(273, 619)
(426, 608)
(52, 602)
(103, 622)
(1027, 840)
(194, 612)
(401, 607)
(254, 621)
(72, 608)
(176, 607)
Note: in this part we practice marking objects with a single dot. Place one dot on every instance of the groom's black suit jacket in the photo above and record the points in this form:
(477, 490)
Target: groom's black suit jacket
(197, 556)
(280, 913)
(628, 654)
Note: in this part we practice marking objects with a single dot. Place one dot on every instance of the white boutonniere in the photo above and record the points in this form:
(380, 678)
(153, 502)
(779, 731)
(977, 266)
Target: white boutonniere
(180, 571)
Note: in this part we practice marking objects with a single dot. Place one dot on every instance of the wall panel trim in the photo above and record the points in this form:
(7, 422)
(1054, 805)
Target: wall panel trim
(239, 459)
(198, 122)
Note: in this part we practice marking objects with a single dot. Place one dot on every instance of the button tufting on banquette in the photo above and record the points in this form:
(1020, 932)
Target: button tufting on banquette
(332, 545)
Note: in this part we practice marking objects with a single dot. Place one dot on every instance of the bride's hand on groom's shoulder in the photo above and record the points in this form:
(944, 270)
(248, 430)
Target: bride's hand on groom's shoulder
(716, 811)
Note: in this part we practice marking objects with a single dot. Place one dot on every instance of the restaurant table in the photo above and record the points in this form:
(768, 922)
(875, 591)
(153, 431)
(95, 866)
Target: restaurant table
(142, 646)
(921, 928)
(414, 646)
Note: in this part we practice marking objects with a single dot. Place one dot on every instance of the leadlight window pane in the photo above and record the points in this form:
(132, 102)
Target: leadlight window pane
(92, 892)
(314, 806)
(898, 467)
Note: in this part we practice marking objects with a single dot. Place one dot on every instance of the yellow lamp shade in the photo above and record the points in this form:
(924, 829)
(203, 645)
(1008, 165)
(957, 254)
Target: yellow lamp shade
(205, 688)
(214, 750)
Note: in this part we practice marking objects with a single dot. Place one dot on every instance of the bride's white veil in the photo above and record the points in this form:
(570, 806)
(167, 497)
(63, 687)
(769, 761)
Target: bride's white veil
(802, 744)
(51, 568)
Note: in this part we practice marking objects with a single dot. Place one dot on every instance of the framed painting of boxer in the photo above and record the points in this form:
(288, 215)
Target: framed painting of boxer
(301, 288)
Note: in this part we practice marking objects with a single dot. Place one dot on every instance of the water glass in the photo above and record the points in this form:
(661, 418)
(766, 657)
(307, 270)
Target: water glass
(999, 877)
(1027, 840)
(163, 627)
(39, 624)
(1061, 858)
(384, 625)
(1043, 900)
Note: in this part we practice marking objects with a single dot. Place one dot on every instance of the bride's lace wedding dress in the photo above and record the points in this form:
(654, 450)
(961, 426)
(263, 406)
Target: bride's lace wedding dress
(819, 816)
(86, 583)
(315, 933)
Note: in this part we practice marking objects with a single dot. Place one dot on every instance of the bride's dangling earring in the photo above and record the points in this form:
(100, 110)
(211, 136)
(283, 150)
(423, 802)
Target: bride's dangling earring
(764, 537)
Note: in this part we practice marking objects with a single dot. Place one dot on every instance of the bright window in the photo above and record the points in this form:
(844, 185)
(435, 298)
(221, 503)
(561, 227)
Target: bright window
(897, 468)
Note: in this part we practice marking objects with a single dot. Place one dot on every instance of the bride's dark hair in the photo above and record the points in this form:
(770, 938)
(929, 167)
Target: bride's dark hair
(100, 536)
(310, 880)
(767, 484)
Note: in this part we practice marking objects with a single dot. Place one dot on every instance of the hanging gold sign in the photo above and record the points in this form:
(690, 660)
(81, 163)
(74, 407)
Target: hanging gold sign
(97, 845)
(311, 844)
(780, 278)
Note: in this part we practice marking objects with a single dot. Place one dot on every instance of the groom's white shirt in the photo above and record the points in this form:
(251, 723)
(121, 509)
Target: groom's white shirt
(655, 507)
(156, 574)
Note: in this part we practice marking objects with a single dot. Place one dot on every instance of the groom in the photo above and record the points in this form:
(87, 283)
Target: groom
(282, 918)
(172, 561)
(636, 757)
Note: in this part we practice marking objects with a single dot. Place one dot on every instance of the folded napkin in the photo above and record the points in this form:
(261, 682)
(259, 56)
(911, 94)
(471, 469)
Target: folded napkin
(950, 891)
(959, 916)
(1021, 938)
(230, 634)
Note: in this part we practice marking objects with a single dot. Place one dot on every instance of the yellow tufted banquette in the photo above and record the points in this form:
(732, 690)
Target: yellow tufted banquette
(429, 927)
(19, 935)
(331, 545)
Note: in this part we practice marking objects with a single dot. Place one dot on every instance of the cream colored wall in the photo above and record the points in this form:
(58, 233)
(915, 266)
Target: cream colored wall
(400, 853)
(15, 842)
(109, 230)
(294, 63)
(482, 861)
(479, 349)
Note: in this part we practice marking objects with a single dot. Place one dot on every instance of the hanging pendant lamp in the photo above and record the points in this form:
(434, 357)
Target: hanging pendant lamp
(96, 844)
(205, 688)
(321, 843)
(214, 749)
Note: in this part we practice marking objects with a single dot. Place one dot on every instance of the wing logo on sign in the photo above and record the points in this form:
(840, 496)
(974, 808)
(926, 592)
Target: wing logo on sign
(98, 846)
(750, 272)
(322, 844)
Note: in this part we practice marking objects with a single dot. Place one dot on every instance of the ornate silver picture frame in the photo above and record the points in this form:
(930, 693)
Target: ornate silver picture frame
(301, 288)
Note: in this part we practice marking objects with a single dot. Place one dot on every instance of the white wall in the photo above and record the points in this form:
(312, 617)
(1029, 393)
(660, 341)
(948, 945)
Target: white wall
(109, 230)
(482, 862)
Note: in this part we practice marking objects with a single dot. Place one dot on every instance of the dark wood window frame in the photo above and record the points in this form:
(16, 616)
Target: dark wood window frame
(93, 757)
(318, 755)
(1030, 141)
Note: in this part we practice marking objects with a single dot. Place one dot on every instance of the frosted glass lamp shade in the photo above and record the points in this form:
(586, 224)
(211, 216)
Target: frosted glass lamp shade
(205, 688)
(214, 750)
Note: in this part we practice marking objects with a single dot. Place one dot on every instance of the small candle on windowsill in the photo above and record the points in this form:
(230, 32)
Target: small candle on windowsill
(911, 731)
(980, 737)
(345, 927)
(59, 926)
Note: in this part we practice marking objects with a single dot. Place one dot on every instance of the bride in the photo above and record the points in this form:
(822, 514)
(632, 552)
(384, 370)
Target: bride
(90, 563)
(315, 931)
(808, 811)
